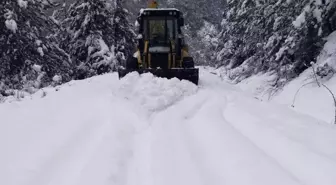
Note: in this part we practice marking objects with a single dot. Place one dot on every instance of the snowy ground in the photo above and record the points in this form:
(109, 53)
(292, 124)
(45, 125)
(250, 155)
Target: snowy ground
(150, 131)
(303, 93)
(314, 99)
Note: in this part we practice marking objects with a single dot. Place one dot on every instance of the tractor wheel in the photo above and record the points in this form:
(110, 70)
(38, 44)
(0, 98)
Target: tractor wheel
(188, 62)
(132, 63)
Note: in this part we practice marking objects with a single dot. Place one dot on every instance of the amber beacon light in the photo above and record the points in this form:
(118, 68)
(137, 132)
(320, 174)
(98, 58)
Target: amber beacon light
(152, 4)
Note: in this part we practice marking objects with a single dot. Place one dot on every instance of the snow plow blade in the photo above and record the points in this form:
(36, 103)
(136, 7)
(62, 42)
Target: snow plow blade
(190, 74)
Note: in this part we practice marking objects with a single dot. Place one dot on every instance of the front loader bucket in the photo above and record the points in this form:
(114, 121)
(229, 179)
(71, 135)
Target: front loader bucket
(190, 74)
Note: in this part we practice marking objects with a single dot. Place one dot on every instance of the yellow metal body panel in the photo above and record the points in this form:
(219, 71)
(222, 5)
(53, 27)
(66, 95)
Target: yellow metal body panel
(149, 59)
(185, 52)
(145, 53)
(146, 46)
(139, 57)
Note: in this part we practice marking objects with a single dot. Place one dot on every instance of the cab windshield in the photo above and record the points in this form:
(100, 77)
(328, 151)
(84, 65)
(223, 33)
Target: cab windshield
(160, 29)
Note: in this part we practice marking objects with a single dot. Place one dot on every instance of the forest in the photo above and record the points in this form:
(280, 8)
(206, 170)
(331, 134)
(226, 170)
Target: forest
(50, 42)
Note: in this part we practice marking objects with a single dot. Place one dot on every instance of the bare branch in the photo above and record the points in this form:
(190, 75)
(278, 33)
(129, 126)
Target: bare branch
(332, 94)
(297, 92)
(319, 84)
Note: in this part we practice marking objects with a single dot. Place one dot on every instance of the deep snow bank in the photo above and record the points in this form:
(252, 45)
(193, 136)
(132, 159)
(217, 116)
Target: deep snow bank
(311, 99)
(219, 135)
(76, 135)
(143, 130)
(80, 132)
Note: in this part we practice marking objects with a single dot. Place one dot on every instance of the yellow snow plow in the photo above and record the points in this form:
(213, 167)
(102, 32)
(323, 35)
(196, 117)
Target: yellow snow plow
(161, 48)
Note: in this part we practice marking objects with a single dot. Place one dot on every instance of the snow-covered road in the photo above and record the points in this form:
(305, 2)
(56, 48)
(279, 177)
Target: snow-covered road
(150, 131)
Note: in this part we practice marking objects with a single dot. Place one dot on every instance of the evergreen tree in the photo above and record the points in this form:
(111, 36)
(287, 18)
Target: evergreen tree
(124, 42)
(27, 56)
(283, 37)
(134, 8)
(99, 36)
(202, 24)
(89, 25)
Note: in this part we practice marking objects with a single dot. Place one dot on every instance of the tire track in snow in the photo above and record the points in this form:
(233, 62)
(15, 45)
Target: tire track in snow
(74, 150)
(187, 140)
(77, 151)
(293, 127)
(108, 163)
(69, 165)
(271, 158)
(221, 151)
(307, 166)
(171, 160)
(160, 151)
(293, 139)
(296, 127)
(139, 166)
(204, 149)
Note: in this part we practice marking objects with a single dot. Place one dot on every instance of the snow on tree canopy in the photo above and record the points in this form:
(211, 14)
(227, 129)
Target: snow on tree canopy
(57, 78)
(11, 25)
(98, 35)
(19, 53)
(23, 3)
(315, 7)
(279, 36)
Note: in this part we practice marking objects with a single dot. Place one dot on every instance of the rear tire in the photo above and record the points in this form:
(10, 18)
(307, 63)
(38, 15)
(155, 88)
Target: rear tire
(132, 63)
(188, 62)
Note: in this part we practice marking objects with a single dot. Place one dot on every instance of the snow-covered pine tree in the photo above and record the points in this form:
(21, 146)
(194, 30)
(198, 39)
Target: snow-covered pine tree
(98, 36)
(234, 36)
(273, 35)
(202, 19)
(26, 53)
(124, 42)
(329, 17)
(134, 7)
(89, 25)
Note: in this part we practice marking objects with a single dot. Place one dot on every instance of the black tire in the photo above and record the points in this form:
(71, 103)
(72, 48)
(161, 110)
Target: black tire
(188, 62)
(132, 63)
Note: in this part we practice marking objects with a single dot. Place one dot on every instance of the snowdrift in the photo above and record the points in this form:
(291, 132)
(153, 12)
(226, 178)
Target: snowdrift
(312, 99)
(143, 130)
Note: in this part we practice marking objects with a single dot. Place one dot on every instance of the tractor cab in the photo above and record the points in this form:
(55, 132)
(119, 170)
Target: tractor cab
(161, 26)
(160, 34)
(161, 49)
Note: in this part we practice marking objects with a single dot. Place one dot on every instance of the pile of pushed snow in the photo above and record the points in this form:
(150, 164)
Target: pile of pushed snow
(152, 93)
